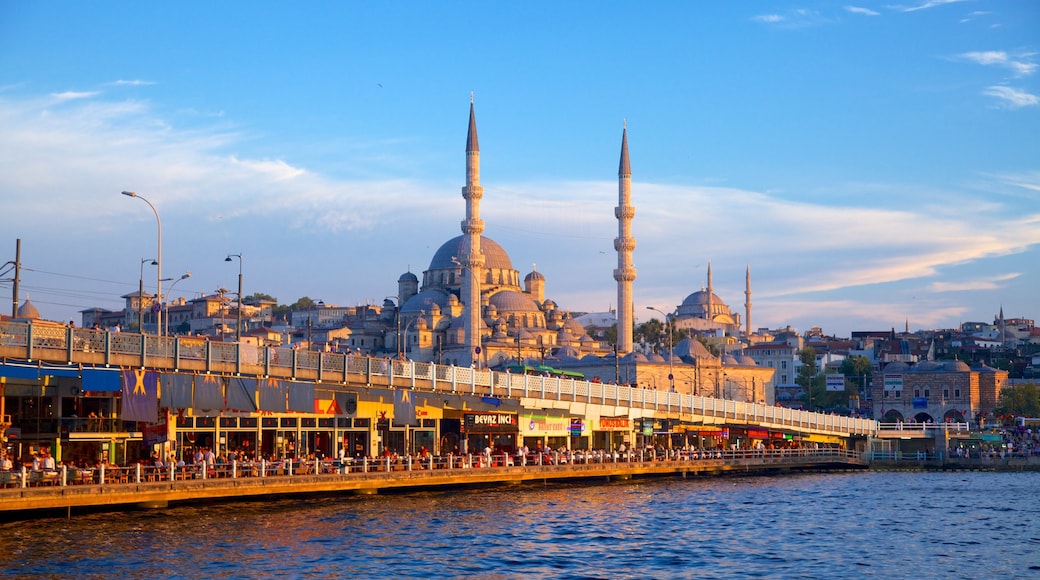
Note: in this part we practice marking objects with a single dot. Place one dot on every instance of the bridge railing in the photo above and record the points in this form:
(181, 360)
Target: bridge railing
(56, 343)
(913, 427)
(109, 475)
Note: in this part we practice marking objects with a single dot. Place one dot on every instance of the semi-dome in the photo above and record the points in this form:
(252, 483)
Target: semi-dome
(28, 311)
(494, 256)
(510, 301)
(426, 299)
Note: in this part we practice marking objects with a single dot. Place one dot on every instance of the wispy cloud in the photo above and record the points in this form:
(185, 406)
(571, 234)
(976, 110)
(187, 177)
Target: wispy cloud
(74, 95)
(797, 18)
(861, 10)
(923, 6)
(1021, 65)
(133, 83)
(1012, 98)
(991, 283)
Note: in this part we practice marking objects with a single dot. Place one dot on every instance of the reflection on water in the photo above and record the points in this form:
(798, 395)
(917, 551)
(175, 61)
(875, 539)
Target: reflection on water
(927, 525)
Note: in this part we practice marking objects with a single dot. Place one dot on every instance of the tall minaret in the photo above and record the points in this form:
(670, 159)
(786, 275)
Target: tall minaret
(472, 260)
(624, 244)
(747, 299)
(1003, 327)
(711, 313)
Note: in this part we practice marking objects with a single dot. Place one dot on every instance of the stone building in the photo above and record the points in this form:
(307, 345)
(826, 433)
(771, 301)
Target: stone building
(936, 391)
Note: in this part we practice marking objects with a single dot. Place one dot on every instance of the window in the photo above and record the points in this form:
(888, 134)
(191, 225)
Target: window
(957, 393)
(783, 379)
(946, 393)
(917, 392)
(927, 393)
(886, 395)
(783, 364)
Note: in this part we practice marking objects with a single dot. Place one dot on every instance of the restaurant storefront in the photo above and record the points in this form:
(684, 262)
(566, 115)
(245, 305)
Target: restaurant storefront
(611, 432)
(540, 430)
(497, 431)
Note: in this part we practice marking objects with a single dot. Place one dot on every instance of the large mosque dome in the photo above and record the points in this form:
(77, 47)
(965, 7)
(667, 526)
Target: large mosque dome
(494, 256)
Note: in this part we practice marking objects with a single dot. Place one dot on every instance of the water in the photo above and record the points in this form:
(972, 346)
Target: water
(886, 525)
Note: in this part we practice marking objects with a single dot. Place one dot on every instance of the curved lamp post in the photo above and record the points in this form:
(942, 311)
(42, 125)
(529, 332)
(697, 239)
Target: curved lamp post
(671, 370)
(158, 263)
(140, 295)
(238, 320)
(184, 276)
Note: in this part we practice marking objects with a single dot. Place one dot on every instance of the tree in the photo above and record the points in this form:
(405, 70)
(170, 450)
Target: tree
(1019, 401)
(812, 383)
(257, 297)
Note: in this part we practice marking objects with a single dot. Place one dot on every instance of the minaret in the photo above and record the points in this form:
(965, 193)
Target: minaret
(624, 244)
(711, 314)
(472, 260)
(1003, 331)
(747, 299)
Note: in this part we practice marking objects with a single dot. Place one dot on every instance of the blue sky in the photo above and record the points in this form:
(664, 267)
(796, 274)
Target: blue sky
(871, 162)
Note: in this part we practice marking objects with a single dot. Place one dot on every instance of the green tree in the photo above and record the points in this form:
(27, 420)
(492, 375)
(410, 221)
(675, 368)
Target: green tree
(1019, 401)
(257, 297)
(711, 346)
(610, 335)
(812, 382)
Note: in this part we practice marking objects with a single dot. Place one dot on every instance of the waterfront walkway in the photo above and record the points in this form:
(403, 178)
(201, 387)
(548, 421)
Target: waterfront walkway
(25, 494)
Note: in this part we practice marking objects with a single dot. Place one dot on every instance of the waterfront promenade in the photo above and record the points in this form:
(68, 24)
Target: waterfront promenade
(138, 486)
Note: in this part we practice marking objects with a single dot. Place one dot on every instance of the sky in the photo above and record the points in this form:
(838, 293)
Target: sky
(875, 165)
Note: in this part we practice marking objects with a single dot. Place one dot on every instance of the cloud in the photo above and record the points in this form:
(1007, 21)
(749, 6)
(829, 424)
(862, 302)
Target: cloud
(863, 11)
(992, 283)
(797, 18)
(74, 95)
(1012, 98)
(1020, 67)
(133, 83)
(925, 6)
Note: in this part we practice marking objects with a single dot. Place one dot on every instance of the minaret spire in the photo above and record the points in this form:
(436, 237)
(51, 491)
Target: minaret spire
(747, 300)
(711, 314)
(472, 259)
(625, 244)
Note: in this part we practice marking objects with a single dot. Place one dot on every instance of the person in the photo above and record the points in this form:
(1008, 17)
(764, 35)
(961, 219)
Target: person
(115, 327)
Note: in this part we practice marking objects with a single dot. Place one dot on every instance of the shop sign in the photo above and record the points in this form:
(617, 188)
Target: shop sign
(490, 423)
(543, 425)
(614, 423)
(577, 426)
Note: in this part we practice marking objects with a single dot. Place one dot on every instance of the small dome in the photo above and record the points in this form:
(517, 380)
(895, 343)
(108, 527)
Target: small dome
(956, 366)
(408, 277)
(27, 310)
(574, 327)
(927, 366)
(535, 275)
(567, 352)
(634, 357)
(591, 358)
(730, 361)
(896, 367)
(746, 361)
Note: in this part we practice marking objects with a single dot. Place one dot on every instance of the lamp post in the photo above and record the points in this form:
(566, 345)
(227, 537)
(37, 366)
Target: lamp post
(184, 276)
(406, 327)
(158, 262)
(397, 316)
(671, 370)
(238, 319)
(473, 342)
(140, 295)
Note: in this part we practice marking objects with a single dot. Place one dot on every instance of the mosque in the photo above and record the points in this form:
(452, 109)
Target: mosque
(515, 322)
(511, 322)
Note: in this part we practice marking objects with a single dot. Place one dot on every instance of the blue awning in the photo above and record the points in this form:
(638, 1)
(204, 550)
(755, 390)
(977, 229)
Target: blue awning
(102, 380)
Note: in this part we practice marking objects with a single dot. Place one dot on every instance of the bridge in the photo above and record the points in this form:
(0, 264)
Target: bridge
(51, 348)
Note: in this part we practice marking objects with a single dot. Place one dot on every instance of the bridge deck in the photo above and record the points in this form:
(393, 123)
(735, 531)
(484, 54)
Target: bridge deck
(25, 500)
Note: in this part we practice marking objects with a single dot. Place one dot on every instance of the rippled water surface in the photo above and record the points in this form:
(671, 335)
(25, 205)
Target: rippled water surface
(886, 525)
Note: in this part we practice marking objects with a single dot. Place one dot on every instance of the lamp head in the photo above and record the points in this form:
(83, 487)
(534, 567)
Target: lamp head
(130, 194)
(227, 259)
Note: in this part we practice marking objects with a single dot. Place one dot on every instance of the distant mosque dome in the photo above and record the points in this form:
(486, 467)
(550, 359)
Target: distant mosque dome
(28, 311)
(408, 277)
(535, 275)
(512, 301)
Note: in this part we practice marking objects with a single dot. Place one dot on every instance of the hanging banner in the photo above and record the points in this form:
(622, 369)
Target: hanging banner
(140, 395)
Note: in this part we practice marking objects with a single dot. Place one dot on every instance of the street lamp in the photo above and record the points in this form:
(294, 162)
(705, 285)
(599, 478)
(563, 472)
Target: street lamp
(406, 327)
(671, 373)
(184, 276)
(397, 315)
(158, 262)
(238, 320)
(140, 295)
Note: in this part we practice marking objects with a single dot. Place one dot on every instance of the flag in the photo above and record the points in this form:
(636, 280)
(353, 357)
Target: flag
(155, 434)
(176, 390)
(209, 395)
(301, 397)
(404, 408)
(272, 395)
(140, 395)
(241, 394)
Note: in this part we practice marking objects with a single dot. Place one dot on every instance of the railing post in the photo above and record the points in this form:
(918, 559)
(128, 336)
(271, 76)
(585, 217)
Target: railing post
(101, 475)
(64, 475)
(364, 464)
(173, 471)
(24, 476)
(137, 473)
(263, 467)
(234, 468)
